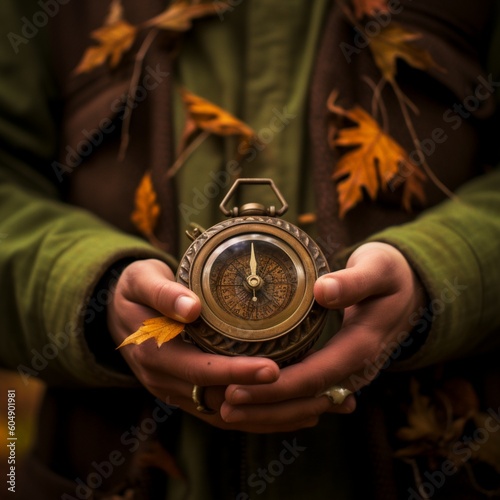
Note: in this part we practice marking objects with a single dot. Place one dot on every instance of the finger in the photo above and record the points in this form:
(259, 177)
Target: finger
(214, 398)
(185, 361)
(373, 269)
(151, 282)
(296, 410)
(340, 361)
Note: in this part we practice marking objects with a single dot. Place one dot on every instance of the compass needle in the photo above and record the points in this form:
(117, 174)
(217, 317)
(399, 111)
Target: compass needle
(253, 261)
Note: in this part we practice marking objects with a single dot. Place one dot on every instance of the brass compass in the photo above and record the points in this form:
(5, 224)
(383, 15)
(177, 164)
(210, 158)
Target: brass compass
(254, 274)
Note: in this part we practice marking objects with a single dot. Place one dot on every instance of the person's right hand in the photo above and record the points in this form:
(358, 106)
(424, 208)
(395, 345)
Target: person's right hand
(147, 289)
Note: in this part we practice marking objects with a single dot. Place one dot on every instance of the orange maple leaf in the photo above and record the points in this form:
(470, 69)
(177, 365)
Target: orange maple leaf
(374, 162)
(393, 42)
(162, 329)
(146, 208)
(114, 39)
(179, 15)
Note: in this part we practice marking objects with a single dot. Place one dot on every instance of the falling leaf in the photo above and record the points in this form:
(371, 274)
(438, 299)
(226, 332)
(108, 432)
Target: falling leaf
(394, 42)
(113, 39)
(207, 116)
(146, 210)
(376, 159)
(179, 15)
(369, 7)
(161, 329)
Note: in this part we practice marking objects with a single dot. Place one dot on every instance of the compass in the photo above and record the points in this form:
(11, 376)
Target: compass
(254, 274)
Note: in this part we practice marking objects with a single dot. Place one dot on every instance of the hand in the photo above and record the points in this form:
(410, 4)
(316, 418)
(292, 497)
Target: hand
(379, 292)
(147, 289)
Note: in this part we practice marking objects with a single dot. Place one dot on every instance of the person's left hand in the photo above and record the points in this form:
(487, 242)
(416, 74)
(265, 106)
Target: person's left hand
(379, 292)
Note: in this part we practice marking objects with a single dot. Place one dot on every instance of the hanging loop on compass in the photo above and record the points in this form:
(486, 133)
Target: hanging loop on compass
(253, 208)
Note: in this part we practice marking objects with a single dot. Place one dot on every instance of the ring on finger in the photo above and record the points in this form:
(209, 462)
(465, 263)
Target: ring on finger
(198, 397)
(336, 394)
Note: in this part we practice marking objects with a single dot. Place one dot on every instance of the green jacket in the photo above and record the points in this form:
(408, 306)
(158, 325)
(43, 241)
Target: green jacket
(54, 254)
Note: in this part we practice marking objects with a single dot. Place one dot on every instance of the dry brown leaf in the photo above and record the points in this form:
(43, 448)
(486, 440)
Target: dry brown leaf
(179, 15)
(207, 116)
(394, 42)
(376, 159)
(161, 329)
(146, 208)
(113, 39)
(423, 422)
(369, 7)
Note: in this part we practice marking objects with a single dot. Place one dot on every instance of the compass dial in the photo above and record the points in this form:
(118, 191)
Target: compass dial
(253, 294)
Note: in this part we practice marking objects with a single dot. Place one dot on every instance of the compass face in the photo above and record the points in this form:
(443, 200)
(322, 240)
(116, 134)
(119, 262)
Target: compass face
(254, 285)
(258, 294)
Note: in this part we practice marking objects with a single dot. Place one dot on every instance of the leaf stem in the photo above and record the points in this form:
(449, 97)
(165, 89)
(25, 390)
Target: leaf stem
(184, 155)
(403, 105)
(139, 59)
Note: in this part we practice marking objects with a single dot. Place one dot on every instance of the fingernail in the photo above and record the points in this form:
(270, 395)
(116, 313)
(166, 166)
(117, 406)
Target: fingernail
(331, 290)
(265, 374)
(184, 305)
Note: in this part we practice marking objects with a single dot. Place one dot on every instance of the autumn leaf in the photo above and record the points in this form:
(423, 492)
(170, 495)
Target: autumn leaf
(369, 7)
(179, 15)
(113, 40)
(375, 160)
(161, 329)
(436, 422)
(207, 116)
(394, 42)
(146, 208)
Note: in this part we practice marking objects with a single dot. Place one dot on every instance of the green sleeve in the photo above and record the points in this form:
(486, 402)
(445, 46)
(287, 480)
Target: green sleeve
(52, 254)
(454, 249)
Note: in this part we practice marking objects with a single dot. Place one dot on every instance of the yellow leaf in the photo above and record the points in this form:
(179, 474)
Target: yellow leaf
(146, 210)
(207, 116)
(369, 7)
(179, 15)
(393, 42)
(161, 329)
(376, 159)
(113, 40)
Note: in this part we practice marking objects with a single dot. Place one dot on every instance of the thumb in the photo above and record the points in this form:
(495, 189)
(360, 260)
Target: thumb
(371, 270)
(151, 283)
